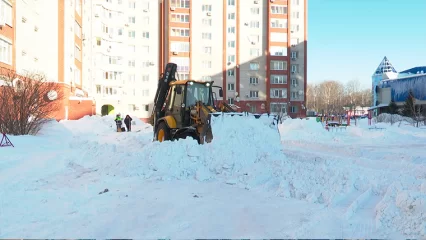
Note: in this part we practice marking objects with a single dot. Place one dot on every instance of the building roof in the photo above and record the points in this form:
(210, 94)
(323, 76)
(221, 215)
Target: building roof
(415, 70)
(402, 86)
(384, 67)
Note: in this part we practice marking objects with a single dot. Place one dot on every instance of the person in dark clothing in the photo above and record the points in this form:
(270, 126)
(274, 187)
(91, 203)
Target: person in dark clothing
(128, 122)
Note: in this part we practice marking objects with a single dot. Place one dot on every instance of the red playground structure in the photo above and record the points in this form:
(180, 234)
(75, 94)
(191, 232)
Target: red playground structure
(5, 141)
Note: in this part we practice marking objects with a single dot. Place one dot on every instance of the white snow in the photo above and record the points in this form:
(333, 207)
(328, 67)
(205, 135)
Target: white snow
(253, 181)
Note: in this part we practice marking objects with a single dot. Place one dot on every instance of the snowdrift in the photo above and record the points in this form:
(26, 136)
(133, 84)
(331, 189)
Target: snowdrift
(353, 171)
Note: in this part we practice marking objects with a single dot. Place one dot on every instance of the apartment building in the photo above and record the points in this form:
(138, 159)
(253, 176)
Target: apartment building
(121, 55)
(254, 49)
(7, 34)
(44, 36)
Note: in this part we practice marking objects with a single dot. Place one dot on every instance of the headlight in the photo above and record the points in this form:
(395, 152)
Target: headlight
(208, 84)
(191, 83)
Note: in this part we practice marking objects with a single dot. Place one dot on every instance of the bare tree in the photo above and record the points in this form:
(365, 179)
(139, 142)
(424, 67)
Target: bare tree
(26, 102)
(332, 96)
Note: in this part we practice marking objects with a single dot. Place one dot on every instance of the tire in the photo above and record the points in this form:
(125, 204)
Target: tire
(163, 132)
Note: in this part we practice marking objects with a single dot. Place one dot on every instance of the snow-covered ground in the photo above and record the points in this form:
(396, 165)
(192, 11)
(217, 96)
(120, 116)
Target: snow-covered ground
(80, 179)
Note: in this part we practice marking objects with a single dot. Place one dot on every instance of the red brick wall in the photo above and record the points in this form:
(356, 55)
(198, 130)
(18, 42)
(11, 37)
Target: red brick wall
(78, 109)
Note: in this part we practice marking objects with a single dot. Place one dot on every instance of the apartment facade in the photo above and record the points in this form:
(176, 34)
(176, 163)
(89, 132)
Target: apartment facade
(121, 55)
(254, 49)
(45, 37)
(7, 34)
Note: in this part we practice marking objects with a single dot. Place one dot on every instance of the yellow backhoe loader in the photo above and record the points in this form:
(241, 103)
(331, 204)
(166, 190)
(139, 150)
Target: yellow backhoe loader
(183, 108)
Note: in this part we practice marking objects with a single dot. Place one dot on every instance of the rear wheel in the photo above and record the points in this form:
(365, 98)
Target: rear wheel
(163, 132)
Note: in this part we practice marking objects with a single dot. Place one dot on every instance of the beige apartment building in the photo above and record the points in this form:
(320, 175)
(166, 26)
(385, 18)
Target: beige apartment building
(254, 49)
(45, 36)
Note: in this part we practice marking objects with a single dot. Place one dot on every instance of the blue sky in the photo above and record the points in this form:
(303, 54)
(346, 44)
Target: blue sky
(347, 39)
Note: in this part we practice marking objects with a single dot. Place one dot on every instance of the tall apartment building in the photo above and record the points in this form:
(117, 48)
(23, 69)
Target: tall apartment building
(46, 38)
(121, 55)
(7, 34)
(254, 49)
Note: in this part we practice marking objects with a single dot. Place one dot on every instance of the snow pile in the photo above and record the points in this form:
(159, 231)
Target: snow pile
(355, 175)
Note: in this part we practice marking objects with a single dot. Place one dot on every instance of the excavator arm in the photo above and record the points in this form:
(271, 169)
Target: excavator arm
(162, 92)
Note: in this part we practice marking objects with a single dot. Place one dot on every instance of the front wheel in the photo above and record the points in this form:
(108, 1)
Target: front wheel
(163, 132)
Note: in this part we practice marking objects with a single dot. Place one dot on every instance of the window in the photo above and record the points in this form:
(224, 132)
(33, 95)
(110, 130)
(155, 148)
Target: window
(145, 35)
(231, 58)
(230, 100)
(278, 37)
(145, 5)
(179, 46)
(278, 23)
(206, 64)
(278, 65)
(179, 3)
(293, 109)
(206, 50)
(254, 38)
(294, 54)
(278, 51)
(132, 34)
(77, 53)
(6, 11)
(5, 52)
(278, 107)
(206, 78)
(180, 32)
(231, 44)
(120, 32)
(112, 75)
(254, 10)
(182, 64)
(295, 14)
(77, 29)
(145, 78)
(294, 27)
(294, 41)
(132, 48)
(206, 8)
(254, 80)
(206, 36)
(132, 19)
(254, 66)
(254, 52)
(253, 108)
(132, 4)
(231, 15)
(145, 92)
(183, 76)
(231, 2)
(294, 68)
(231, 86)
(231, 29)
(279, 79)
(131, 78)
(295, 2)
(294, 82)
(145, 64)
(145, 49)
(207, 21)
(98, 89)
(231, 72)
(254, 94)
(254, 24)
(146, 108)
(294, 95)
(278, 9)
(278, 93)
(98, 41)
(132, 63)
(115, 60)
(180, 18)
